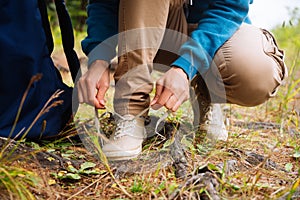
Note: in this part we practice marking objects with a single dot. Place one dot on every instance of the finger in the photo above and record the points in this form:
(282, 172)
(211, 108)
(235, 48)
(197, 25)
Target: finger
(82, 91)
(98, 105)
(176, 106)
(102, 87)
(91, 92)
(158, 91)
(100, 96)
(171, 102)
(156, 106)
(181, 99)
(79, 93)
(164, 97)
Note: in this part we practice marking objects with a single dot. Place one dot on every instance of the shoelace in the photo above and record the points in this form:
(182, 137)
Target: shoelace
(125, 125)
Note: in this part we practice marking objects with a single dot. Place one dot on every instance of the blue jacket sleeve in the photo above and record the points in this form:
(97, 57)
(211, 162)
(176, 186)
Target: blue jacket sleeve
(216, 25)
(102, 24)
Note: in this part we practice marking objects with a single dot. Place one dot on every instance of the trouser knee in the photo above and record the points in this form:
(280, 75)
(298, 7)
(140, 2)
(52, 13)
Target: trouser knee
(249, 67)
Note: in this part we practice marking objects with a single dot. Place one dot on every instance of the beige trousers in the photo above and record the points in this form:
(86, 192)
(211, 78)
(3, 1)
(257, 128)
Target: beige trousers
(246, 70)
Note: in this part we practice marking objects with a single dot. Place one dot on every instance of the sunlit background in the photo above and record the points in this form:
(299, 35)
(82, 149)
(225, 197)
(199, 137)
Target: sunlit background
(269, 13)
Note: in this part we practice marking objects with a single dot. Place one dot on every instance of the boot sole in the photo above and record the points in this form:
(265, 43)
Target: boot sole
(123, 155)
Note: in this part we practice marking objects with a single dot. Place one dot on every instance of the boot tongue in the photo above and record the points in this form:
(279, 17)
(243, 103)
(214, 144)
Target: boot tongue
(129, 125)
(125, 126)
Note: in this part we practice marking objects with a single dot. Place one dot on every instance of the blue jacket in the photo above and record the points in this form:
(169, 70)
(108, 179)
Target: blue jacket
(217, 21)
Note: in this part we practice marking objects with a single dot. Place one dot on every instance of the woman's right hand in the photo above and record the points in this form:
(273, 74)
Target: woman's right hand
(92, 86)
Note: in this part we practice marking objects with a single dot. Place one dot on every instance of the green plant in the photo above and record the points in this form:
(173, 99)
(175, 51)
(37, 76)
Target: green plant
(16, 181)
(86, 168)
(137, 187)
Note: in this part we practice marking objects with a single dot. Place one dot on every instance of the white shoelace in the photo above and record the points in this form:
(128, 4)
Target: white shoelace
(125, 125)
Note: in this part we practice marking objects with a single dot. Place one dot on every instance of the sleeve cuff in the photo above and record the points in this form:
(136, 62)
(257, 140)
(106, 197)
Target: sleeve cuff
(101, 51)
(186, 66)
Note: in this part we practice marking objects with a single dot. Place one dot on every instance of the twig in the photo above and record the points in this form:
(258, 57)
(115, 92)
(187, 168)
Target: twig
(32, 80)
(8, 142)
(44, 110)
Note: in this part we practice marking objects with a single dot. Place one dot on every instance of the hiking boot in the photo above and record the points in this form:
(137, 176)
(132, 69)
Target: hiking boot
(212, 122)
(208, 117)
(126, 142)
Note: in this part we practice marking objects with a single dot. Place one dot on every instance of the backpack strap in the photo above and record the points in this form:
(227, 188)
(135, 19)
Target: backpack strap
(46, 25)
(67, 35)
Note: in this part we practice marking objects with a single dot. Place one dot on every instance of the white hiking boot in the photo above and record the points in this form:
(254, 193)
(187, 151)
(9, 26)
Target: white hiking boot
(209, 117)
(126, 142)
(212, 122)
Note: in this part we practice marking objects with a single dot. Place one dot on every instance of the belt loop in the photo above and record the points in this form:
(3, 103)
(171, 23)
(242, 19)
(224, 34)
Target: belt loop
(189, 2)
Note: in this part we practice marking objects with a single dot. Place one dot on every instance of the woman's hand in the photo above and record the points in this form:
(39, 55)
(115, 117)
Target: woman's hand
(93, 85)
(172, 89)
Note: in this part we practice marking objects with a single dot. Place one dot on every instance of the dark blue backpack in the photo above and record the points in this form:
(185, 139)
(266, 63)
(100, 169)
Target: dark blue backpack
(25, 47)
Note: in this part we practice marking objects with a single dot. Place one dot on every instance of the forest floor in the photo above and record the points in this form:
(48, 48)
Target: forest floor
(259, 160)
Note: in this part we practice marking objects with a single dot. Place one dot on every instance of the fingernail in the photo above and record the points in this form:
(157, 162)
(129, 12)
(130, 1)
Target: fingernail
(153, 102)
(156, 106)
(102, 102)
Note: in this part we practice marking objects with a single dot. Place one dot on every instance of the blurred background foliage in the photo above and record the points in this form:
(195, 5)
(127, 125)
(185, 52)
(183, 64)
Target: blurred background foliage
(78, 14)
(77, 11)
(288, 37)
